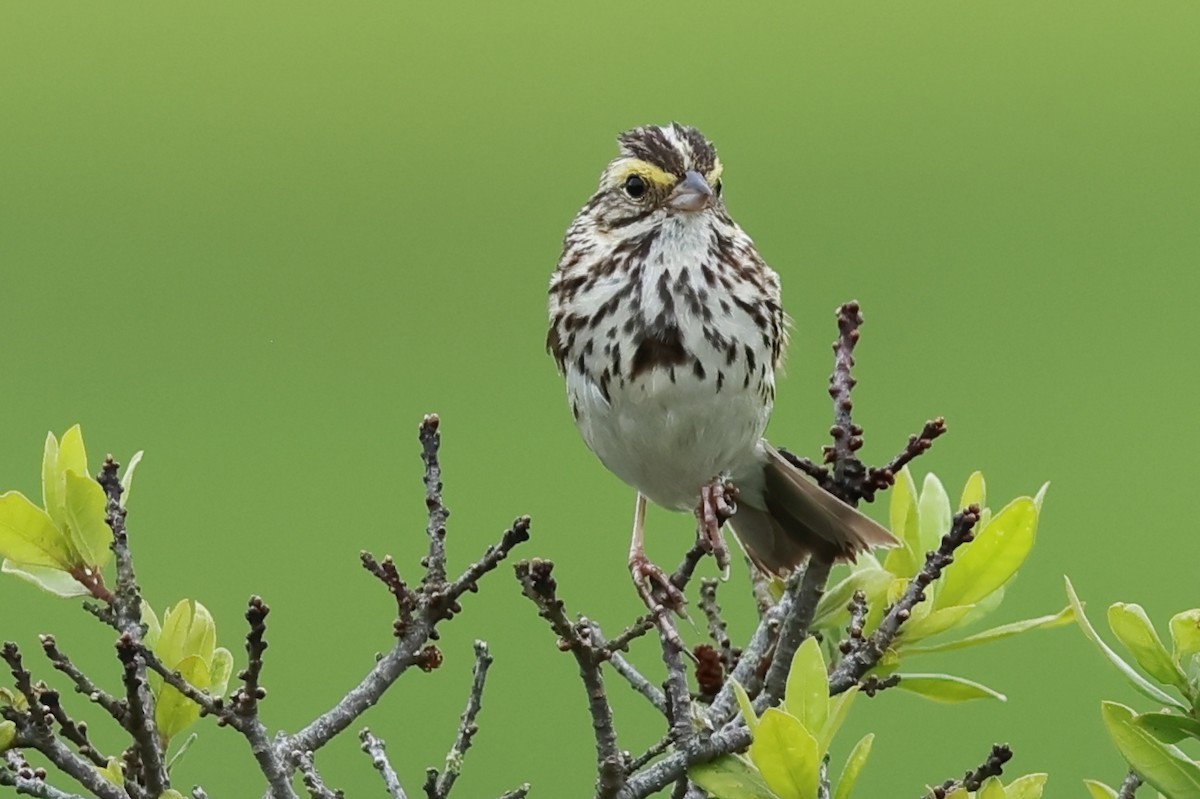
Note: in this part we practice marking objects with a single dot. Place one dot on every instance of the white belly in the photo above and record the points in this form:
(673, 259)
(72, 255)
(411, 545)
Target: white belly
(667, 439)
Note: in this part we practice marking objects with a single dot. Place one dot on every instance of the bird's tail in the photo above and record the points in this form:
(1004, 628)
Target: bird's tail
(801, 519)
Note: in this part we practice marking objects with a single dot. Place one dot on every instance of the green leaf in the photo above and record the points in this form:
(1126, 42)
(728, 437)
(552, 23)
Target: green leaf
(991, 560)
(153, 628)
(902, 517)
(933, 514)
(1064, 616)
(730, 777)
(114, 772)
(188, 629)
(974, 492)
(1170, 728)
(947, 688)
(933, 623)
(51, 580)
(177, 758)
(8, 734)
(1029, 786)
(71, 454)
(786, 755)
(839, 706)
(1144, 686)
(1185, 633)
(831, 609)
(991, 788)
(28, 536)
(1040, 496)
(86, 527)
(220, 668)
(1099, 790)
(1162, 765)
(854, 765)
(1133, 627)
(127, 478)
(171, 793)
(52, 490)
(747, 707)
(806, 695)
(174, 712)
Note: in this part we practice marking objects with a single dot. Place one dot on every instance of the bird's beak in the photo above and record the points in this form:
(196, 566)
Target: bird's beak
(691, 194)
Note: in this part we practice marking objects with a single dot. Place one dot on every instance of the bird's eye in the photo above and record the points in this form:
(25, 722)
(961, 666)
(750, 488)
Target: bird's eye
(635, 186)
(717, 188)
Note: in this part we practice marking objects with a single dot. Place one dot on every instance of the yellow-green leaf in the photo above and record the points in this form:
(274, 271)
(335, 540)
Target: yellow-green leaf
(786, 755)
(1132, 627)
(903, 561)
(1139, 682)
(974, 492)
(1099, 790)
(8, 734)
(991, 788)
(114, 772)
(1164, 766)
(831, 609)
(839, 706)
(934, 622)
(730, 777)
(1170, 728)
(220, 668)
(747, 707)
(933, 514)
(127, 477)
(85, 508)
(1028, 787)
(988, 562)
(71, 454)
(52, 490)
(1185, 633)
(28, 535)
(49, 579)
(806, 695)
(1064, 616)
(854, 764)
(153, 628)
(174, 712)
(187, 629)
(947, 688)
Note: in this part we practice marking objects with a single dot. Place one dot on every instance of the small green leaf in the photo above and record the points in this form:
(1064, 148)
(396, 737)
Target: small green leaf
(1170, 728)
(839, 706)
(1133, 627)
(174, 712)
(177, 758)
(71, 454)
(52, 490)
(1099, 790)
(730, 777)
(991, 560)
(1029, 786)
(933, 514)
(1064, 616)
(786, 755)
(933, 623)
(1040, 496)
(1162, 765)
(28, 536)
(220, 668)
(831, 609)
(153, 628)
(854, 765)
(1185, 633)
(114, 772)
(171, 793)
(1139, 682)
(85, 509)
(127, 477)
(903, 561)
(188, 629)
(974, 492)
(8, 734)
(51, 580)
(991, 788)
(806, 695)
(947, 688)
(747, 707)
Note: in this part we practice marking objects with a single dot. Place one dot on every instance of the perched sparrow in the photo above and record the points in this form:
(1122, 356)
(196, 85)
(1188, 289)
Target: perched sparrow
(667, 325)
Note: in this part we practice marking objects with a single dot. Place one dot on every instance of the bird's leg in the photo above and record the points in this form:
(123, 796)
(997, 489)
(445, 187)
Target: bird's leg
(653, 585)
(717, 505)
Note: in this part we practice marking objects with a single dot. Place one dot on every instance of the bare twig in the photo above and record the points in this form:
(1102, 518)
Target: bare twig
(375, 748)
(1130, 785)
(538, 584)
(316, 786)
(717, 628)
(638, 682)
(993, 766)
(435, 563)
(466, 726)
(866, 653)
(29, 781)
(83, 684)
(127, 614)
(246, 698)
(656, 749)
(808, 590)
(199, 793)
(520, 792)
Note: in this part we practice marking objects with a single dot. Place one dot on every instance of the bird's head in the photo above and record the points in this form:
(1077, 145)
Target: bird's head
(661, 172)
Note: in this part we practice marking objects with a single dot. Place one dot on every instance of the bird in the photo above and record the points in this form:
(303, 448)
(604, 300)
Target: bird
(668, 329)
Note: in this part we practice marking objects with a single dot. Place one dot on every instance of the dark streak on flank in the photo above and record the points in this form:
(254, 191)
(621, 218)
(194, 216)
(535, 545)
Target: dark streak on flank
(665, 348)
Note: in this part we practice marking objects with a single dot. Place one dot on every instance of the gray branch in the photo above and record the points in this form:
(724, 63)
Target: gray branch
(1130, 785)
(375, 748)
(466, 726)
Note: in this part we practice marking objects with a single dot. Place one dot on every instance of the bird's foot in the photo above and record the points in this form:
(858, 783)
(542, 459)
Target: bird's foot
(718, 502)
(654, 586)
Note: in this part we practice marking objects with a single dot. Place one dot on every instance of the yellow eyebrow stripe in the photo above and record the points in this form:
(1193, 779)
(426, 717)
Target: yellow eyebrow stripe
(648, 171)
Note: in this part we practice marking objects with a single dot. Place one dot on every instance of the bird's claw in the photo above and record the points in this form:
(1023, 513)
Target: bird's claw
(718, 503)
(654, 586)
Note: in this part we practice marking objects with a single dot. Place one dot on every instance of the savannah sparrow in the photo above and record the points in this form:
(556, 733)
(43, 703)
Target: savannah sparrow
(667, 325)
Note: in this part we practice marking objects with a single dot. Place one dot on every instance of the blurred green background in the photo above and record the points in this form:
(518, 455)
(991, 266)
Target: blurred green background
(260, 240)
